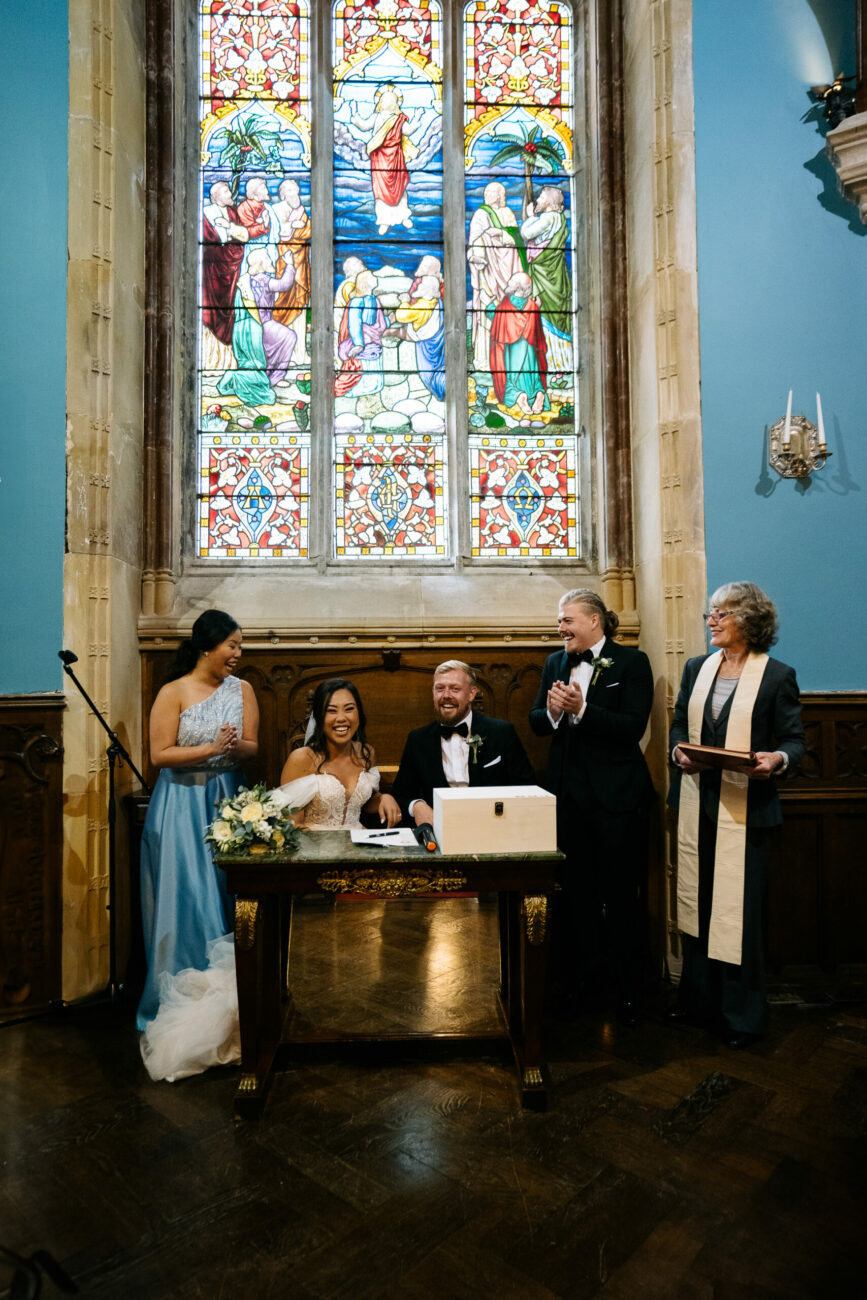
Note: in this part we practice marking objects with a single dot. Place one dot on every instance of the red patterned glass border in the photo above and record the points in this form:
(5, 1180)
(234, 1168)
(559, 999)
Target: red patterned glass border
(253, 496)
(255, 49)
(518, 53)
(412, 29)
(524, 494)
(389, 497)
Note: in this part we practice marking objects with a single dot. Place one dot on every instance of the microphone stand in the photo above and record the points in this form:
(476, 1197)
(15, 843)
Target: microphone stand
(116, 752)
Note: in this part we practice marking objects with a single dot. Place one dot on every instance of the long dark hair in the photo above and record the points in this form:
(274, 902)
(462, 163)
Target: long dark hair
(209, 630)
(321, 699)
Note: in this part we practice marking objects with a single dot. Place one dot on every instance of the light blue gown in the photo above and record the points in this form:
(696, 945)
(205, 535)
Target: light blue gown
(184, 900)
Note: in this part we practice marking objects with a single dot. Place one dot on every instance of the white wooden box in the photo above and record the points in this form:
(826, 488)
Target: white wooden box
(495, 819)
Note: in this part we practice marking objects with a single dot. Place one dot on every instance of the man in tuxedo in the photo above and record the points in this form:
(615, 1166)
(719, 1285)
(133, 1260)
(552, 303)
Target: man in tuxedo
(594, 702)
(460, 748)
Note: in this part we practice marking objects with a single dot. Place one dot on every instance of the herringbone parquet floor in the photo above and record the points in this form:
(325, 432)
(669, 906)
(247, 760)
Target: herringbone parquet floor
(666, 1165)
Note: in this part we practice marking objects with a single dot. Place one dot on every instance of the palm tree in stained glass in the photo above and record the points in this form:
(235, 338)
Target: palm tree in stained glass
(533, 150)
(250, 141)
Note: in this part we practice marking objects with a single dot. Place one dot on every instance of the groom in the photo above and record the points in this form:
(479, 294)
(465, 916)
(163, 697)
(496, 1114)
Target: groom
(460, 748)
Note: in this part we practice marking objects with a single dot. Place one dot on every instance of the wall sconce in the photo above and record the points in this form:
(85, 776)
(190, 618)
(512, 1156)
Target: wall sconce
(797, 447)
(838, 100)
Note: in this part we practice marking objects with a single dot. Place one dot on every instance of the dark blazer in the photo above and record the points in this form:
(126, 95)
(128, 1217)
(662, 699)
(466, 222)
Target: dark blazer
(776, 725)
(600, 759)
(500, 760)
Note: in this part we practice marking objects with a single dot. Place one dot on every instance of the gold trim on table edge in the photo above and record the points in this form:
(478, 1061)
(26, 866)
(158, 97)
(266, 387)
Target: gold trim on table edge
(393, 884)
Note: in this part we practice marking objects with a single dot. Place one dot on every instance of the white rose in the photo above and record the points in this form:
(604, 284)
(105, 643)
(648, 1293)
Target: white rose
(221, 831)
(252, 812)
(230, 814)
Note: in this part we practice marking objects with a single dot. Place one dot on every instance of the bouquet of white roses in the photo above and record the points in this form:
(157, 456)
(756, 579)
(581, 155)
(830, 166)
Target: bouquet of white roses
(257, 820)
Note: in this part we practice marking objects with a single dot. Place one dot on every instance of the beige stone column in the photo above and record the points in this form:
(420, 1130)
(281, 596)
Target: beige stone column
(664, 351)
(104, 440)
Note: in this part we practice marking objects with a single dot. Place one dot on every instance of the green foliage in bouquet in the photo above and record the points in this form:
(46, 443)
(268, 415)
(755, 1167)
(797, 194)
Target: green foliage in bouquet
(257, 820)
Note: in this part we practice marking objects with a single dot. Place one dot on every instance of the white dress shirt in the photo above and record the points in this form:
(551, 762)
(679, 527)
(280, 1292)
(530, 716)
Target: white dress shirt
(580, 676)
(456, 757)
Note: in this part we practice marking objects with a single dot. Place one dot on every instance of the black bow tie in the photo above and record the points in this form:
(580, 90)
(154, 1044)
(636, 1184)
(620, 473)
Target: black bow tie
(460, 730)
(585, 657)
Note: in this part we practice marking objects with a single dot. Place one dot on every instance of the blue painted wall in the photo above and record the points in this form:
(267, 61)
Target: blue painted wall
(782, 272)
(34, 107)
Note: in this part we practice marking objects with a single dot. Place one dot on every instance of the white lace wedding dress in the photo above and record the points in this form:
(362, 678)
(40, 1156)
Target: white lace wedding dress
(196, 1025)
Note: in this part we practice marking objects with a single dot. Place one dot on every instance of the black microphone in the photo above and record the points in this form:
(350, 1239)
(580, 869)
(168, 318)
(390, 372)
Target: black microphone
(425, 836)
(67, 656)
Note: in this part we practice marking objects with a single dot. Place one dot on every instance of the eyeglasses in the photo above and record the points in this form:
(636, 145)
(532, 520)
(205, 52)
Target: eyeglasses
(716, 615)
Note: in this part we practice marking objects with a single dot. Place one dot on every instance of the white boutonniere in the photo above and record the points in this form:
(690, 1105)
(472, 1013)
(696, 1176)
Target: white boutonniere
(474, 743)
(597, 665)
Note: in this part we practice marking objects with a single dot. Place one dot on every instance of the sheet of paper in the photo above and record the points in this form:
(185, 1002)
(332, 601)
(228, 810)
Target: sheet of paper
(394, 839)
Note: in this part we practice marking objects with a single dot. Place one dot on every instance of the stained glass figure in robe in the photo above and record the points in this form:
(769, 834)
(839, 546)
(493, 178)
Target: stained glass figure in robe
(389, 326)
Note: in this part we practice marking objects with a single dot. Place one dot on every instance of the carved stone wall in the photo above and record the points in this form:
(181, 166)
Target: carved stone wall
(670, 564)
(104, 436)
(31, 730)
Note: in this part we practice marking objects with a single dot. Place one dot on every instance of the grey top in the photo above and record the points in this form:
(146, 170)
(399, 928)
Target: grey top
(723, 687)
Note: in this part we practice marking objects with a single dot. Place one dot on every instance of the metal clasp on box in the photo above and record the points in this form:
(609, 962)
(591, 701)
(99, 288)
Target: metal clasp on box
(498, 808)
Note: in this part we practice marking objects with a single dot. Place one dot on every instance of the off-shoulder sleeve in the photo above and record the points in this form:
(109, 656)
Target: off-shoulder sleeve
(298, 793)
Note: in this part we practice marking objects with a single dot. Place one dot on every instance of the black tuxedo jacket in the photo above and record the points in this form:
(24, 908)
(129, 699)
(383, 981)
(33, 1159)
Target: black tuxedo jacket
(599, 761)
(500, 760)
(776, 725)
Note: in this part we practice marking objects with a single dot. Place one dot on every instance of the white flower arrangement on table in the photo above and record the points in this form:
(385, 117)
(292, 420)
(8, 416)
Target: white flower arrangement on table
(258, 820)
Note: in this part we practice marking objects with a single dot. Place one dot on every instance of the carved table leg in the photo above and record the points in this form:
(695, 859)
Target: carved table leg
(260, 1005)
(248, 1098)
(534, 955)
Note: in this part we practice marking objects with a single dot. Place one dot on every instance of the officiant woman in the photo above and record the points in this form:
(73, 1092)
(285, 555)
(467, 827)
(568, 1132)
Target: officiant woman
(736, 698)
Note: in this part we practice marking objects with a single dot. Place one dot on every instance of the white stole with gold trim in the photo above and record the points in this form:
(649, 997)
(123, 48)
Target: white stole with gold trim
(725, 940)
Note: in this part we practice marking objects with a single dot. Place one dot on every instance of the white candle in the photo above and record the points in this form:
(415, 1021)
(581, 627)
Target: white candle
(787, 432)
(821, 421)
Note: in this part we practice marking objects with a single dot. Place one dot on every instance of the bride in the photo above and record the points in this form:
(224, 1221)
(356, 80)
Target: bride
(331, 781)
(334, 778)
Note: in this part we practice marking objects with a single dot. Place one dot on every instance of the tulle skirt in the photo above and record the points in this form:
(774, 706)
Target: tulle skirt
(196, 1025)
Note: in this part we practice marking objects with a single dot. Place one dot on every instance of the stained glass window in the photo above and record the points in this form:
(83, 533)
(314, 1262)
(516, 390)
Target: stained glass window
(254, 280)
(520, 279)
(381, 480)
(389, 322)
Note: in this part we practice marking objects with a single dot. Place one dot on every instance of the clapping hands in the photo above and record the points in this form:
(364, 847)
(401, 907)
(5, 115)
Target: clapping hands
(564, 697)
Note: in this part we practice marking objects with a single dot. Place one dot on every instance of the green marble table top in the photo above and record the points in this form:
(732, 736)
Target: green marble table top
(333, 847)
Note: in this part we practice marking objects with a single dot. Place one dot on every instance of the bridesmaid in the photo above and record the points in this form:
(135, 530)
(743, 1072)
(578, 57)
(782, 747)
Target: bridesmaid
(203, 724)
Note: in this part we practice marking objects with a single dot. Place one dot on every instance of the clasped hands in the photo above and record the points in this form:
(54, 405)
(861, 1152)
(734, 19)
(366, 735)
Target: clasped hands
(564, 697)
(227, 739)
(766, 764)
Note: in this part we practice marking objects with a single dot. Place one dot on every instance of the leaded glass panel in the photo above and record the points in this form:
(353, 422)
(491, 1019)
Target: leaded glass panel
(520, 277)
(254, 279)
(389, 320)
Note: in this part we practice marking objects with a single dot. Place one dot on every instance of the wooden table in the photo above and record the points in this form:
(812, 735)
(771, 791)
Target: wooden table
(328, 861)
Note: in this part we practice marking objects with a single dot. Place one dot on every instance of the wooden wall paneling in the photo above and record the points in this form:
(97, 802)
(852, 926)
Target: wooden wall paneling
(395, 687)
(31, 852)
(817, 887)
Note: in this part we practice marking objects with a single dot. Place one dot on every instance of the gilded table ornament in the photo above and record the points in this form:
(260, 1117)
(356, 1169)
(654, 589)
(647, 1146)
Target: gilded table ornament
(532, 1077)
(246, 916)
(248, 1083)
(394, 884)
(535, 909)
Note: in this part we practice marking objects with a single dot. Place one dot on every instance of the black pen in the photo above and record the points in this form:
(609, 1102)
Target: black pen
(375, 835)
